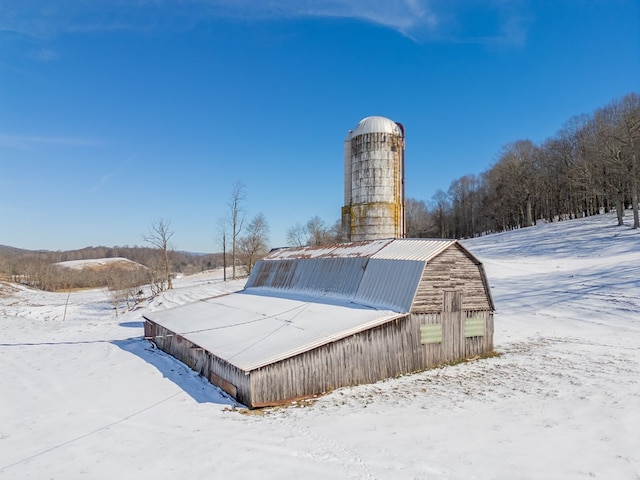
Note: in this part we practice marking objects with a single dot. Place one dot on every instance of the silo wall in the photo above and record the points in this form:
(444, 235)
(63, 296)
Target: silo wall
(373, 199)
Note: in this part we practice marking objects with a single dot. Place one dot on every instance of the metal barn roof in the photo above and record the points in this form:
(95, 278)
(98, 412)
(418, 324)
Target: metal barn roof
(344, 250)
(395, 249)
(413, 249)
(379, 273)
(251, 330)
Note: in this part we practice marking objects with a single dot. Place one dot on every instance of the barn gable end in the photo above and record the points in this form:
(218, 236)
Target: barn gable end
(452, 269)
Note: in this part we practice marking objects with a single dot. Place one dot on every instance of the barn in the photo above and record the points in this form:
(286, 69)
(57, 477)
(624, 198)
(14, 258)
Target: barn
(312, 319)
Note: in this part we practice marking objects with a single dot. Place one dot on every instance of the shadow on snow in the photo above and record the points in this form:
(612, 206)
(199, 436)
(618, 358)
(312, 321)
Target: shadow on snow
(172, 369)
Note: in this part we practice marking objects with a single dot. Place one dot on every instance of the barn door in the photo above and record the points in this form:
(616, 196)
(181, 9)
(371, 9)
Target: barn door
(453, 329)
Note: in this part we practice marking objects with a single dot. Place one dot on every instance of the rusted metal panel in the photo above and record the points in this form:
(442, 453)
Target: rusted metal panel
(350, 249)
(394, 249)
(337, 277)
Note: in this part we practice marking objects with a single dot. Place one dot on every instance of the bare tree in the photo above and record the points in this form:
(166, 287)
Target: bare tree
(159, 235)
(419, 222)
(223, 234)
(337, 232)
(315, 232)
(441, 207)
(319, 233)
(236, 215)
(126, 285)
(297, 235)
(629, 108)
(254, 245)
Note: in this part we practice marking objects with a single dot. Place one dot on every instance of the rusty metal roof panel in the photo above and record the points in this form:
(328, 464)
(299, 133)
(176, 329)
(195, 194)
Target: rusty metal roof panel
(319, 276)
(413, 249)
(390, 284)
(351, 249)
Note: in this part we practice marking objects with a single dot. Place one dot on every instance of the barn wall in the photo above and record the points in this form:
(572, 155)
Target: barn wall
(384, 352)
(220, 373)
(451, 270)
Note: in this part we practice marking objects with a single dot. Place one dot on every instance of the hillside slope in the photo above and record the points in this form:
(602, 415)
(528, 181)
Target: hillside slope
(89, 396)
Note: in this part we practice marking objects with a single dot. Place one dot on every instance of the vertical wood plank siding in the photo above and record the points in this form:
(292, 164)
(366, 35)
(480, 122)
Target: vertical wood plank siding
(451, 270)
(454, 345)
(205, 363)
(382, 352)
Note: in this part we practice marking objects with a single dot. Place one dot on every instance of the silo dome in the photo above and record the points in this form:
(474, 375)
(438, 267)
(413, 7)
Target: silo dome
(375, 124)
(374, 180)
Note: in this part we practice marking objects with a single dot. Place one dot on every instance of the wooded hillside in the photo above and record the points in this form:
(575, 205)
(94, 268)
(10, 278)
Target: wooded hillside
(590, 165)
(39, 268)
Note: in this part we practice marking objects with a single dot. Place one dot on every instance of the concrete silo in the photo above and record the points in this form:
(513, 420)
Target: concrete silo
(374, 180)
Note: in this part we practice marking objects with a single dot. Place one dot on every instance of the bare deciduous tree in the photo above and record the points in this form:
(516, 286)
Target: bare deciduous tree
(254, 245)
(297, 235)
(418, 220)
(159, 235)
(315, 232)
(319, 233)
(236, 215)
(223, 234)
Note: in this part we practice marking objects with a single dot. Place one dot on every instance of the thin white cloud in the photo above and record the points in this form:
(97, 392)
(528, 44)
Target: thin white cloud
(29, 142)
(47, 55)
(421, 20)
(106, 178)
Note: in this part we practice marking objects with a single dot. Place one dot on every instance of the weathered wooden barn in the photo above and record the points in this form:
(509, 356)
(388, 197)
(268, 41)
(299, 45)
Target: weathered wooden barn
(313, 319)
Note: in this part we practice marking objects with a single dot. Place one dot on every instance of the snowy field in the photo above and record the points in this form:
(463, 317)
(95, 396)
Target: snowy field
(83, 395)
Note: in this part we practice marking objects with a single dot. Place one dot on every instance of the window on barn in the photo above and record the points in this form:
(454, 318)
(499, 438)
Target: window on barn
(474, 327)
(431, 333)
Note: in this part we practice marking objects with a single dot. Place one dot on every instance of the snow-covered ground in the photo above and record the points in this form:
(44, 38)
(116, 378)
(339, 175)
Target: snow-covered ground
(87, 397)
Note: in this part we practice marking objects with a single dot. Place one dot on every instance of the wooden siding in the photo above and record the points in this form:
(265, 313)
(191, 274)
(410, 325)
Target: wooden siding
(376, 354)
(383, 352)
(451, 270)
(455, 346)
(217, 371)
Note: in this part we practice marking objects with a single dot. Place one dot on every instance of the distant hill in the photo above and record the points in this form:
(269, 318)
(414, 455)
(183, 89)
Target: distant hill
(7, 250)
(183, 262)
(92, 266)
(101, 264)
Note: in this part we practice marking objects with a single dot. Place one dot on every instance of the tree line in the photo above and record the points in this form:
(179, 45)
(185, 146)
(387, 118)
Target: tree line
(41, 269)
(589, 166)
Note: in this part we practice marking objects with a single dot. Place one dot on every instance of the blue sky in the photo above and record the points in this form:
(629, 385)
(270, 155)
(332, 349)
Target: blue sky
(116, 113)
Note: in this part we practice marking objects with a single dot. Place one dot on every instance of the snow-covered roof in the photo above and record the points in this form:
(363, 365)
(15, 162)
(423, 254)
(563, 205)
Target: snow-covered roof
(343, 250)
(375, 124)
(396, 249)
(251, 329)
